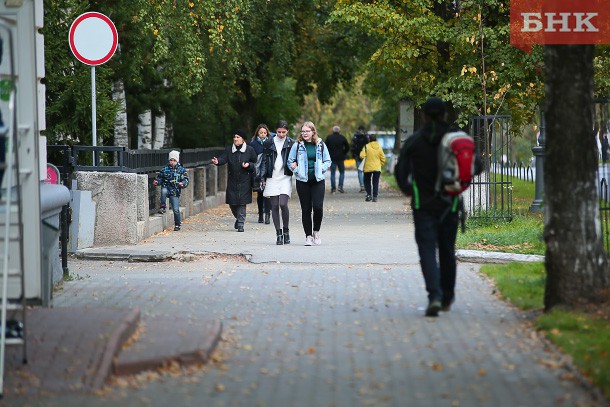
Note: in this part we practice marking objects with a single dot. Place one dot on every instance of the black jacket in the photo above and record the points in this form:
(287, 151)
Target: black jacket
(338, 147)
(270, 155)
(421, 154)
(359, 140)
(239, 180)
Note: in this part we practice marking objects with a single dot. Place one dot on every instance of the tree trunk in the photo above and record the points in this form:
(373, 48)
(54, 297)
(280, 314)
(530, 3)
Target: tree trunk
(121, 138)
(576, 264)
(169, 133)
(159, 139)
(145, 131)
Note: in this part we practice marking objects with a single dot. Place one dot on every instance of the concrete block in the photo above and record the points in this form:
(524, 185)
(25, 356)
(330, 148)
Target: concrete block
(82, 228)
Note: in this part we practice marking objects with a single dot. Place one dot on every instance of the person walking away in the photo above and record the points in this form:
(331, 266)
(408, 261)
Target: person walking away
(277, 179)
(338, 147)
(173, 178)
(434, 214)
(309, 160)
(375, 160)
(241, 159)
(359, 140)
(605, 149)
(264, 205)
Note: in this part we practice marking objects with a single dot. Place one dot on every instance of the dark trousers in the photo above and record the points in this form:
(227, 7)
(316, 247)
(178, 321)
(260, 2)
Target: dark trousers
(341, 166)
(280, 202)
(239, 211)
(374, 177)
(311, 197)
(437, 230)
(264, 205)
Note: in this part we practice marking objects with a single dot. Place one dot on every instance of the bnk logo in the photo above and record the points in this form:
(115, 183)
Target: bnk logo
(559, 22)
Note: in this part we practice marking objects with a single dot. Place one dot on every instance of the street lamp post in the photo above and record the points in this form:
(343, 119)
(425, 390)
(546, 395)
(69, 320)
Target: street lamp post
(538, 150)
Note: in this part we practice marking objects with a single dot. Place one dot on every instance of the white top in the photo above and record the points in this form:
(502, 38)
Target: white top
(279, 183)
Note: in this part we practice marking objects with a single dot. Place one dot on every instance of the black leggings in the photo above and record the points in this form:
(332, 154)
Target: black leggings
(280, 202)
(311, 197)
(263, 203)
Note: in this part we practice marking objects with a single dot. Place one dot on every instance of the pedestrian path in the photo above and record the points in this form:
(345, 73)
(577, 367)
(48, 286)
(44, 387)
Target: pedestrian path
(339, 324)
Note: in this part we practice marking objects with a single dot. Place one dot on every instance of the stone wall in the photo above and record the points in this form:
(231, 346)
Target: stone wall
(122, 212)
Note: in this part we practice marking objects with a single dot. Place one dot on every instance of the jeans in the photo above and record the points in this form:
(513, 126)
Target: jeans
(311, 197)
(437, 230)
(333, 167)
(360, 173)
(174, 201)
(373, 177)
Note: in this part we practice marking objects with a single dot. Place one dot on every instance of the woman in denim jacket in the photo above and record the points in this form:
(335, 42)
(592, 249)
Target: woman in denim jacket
(309, 160)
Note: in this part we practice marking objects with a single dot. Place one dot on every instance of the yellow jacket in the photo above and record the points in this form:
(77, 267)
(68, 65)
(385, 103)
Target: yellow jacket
(375, 157)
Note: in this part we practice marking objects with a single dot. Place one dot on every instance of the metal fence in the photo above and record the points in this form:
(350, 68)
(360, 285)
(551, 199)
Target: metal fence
(490, 195)
(604, 212)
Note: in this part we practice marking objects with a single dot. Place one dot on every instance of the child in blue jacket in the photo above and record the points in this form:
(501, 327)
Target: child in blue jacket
(172, 178)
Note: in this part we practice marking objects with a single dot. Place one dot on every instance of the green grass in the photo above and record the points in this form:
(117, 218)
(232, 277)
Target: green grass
(585, 338)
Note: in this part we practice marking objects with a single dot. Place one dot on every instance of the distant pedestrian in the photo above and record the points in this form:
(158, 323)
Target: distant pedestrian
(309, 160)
(605, 149)
(374, 158)
(173, 178)
(359, 140)
(277, 179)
(241, 159)
(338, 147)
(434, 214)
(261, 135)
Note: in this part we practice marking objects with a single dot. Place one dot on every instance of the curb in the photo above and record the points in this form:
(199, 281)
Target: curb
(479, 256)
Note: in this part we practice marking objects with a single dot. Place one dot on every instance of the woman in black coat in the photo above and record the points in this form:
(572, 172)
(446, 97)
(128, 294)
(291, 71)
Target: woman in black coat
(241, 159)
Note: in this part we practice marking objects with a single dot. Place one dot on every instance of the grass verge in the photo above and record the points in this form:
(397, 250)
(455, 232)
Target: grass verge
(586, 338)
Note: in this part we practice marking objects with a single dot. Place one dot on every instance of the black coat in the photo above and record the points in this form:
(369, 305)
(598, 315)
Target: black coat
(239, 180)
(270, 155)
(338, 147)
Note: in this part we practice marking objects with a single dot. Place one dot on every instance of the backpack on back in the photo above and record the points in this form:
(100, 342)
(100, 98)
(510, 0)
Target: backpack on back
(456, 163)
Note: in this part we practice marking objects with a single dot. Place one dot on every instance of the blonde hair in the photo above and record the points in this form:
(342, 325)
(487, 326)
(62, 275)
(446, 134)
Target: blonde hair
(314, 135)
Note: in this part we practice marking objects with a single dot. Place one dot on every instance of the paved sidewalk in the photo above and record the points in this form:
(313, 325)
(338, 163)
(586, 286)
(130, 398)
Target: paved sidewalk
(339, 324)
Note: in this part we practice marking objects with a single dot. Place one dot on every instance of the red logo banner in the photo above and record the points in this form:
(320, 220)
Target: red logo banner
(559, 22)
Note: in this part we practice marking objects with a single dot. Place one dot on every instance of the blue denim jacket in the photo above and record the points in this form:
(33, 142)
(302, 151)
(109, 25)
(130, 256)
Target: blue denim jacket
(298, 153)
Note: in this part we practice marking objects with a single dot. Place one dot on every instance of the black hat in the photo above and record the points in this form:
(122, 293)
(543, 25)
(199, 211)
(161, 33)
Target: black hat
(434, 107)
(241, 133)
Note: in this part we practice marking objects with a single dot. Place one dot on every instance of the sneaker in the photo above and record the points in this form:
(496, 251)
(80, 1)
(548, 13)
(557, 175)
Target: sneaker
(362, 189)
(236, 225)
(316, 238)
(333, 190)
(368, 198)
(309, 241)
(446, 306)
(341, 190)
(176, 228)
(374, 199)
(240, 228)
(433, 308)
(162, 210)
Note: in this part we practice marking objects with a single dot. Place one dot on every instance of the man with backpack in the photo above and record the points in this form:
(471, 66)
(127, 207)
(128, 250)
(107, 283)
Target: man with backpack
(359, 140)
(435, 211)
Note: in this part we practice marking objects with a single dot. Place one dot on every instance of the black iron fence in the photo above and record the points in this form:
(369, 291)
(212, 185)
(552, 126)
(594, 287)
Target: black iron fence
(604, 212)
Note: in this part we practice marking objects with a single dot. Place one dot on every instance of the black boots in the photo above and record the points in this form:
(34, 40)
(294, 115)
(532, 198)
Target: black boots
(260, 217)
(286, 236)
(267, 218)
(280, 237)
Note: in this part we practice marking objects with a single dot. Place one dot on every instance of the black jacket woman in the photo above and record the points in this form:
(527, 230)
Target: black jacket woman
(261, 135)
(241, 159)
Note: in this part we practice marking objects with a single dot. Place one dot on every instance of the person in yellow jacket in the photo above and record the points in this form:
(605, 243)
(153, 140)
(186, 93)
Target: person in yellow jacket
(375, 160)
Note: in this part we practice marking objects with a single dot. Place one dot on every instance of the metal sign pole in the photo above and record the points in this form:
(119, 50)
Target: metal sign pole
(93, 114)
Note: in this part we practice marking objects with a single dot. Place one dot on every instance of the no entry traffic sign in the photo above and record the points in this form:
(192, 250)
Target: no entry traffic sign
(93, 38)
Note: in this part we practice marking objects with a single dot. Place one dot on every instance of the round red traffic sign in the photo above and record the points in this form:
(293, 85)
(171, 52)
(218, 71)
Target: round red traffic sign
(93, 38)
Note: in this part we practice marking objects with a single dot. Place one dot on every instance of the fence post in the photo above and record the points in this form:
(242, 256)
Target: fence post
(538, 151)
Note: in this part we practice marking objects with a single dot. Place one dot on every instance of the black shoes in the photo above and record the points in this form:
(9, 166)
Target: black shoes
(333, 190)
(433, 308)
(280, 237)
(368, 198)
(374, 199)
(341, 190)
(240, 228)
(235, 225)
(267, 219)
(260, 218)
(162, 210)
(446, 305)
(286, 237)
(176, 228)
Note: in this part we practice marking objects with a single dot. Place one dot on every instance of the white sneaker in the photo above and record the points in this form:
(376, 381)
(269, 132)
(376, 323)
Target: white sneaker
(308, 241)
(316, 238)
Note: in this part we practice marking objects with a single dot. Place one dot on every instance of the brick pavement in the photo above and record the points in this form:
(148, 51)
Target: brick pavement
(326, 328)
